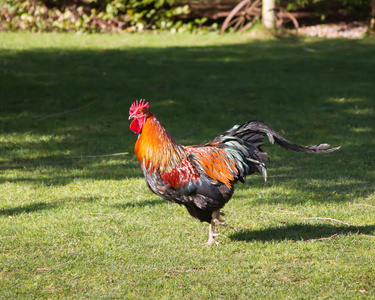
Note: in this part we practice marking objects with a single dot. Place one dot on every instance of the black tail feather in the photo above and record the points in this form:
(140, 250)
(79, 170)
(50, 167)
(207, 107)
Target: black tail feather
(253, 132)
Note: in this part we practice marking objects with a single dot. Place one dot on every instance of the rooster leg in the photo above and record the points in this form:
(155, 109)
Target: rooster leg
(216, 217)
(212, 234)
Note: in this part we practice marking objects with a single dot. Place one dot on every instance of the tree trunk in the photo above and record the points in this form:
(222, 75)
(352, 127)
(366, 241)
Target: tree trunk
(372, 22)
(269, 13)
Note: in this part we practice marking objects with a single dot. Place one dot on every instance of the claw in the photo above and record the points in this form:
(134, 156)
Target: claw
(220, 222)
(216, 217)
(212, 241)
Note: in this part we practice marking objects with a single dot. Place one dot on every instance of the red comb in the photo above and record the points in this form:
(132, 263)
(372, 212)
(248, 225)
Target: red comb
(138, 104)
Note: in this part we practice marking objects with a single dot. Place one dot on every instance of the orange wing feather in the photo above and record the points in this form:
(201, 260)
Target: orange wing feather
(215, 163)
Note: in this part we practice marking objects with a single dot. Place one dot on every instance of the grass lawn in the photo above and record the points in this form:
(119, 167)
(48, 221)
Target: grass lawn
(83, 227)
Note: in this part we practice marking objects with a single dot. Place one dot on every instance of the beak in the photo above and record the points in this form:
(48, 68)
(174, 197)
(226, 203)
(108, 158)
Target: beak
(130, 117)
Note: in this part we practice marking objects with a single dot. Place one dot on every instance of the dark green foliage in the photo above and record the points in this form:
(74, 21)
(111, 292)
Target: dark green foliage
(92, 15)
(358, 8)
(346, 3)
(135, 15)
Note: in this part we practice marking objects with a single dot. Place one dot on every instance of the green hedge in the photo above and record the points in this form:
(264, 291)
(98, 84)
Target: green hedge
(93, 15)
(128, 15)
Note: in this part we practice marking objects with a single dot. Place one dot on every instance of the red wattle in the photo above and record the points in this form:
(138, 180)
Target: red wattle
(137, 124)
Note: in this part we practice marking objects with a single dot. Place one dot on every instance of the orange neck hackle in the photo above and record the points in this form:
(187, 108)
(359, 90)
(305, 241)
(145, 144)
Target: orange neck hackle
(156, 148)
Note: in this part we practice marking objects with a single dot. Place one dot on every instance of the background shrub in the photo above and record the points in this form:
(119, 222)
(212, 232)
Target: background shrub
(91, 15)
(139, 15)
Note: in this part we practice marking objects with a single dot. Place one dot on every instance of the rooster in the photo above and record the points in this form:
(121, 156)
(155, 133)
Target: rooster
(202, 177)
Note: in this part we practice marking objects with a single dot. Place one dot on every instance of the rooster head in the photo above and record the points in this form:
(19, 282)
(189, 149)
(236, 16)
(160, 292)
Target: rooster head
(139, 113)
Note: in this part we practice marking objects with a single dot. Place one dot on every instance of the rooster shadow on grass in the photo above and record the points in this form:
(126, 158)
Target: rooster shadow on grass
(299, 232)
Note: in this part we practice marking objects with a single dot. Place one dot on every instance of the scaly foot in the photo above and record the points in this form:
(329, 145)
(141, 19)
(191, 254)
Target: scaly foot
(212, 234)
